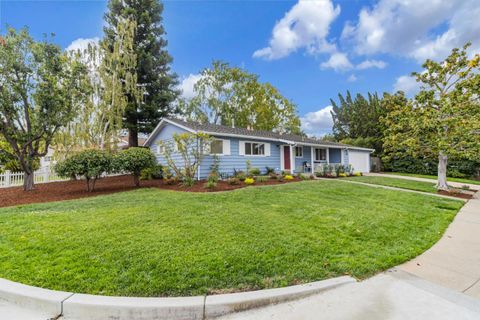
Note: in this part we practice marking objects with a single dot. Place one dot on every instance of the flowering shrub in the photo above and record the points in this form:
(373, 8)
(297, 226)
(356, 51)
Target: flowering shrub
(357, 174)
(288, 177)
(342, 174)
(233, 181)
(249, 181)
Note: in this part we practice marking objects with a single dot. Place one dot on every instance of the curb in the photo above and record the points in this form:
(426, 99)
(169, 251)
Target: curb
(74, 306)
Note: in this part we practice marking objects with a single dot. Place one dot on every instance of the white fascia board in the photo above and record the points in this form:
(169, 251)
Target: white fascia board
(159, 126)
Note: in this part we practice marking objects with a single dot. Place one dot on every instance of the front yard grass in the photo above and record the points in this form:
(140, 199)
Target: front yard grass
(460, 180)
(397, 182)
(152, 242)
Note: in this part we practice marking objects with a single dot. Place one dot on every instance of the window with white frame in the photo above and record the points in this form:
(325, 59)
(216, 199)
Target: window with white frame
(254, 149)
(216, 147)
(320, 154)
(160, 149)
(299, 152)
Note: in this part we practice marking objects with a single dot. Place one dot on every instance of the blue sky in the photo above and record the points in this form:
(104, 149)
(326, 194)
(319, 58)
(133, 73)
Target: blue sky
(310, 50)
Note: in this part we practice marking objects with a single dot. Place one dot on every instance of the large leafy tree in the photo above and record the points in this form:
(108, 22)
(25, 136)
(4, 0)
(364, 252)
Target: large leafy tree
(153, 72)
(234, 97)
(444, 117)
(38, 92)
(111, 79)
(356, 120)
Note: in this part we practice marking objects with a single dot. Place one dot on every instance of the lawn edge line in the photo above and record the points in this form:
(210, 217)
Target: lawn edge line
(398, 189)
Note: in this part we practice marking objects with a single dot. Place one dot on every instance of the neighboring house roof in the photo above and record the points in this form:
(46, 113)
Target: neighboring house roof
(219, 130)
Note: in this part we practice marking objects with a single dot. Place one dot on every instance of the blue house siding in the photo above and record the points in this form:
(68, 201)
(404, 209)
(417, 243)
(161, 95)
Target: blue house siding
(307, 156)
(239, 162)
(335, 155)
(345, 157)
(166, 134)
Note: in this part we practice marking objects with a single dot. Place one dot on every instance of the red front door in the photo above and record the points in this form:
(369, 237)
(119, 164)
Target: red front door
(286, 157)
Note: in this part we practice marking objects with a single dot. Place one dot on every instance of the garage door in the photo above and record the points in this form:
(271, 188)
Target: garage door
(359, 160)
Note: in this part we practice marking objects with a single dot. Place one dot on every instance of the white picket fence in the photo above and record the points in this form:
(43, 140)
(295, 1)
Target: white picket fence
(12, 179)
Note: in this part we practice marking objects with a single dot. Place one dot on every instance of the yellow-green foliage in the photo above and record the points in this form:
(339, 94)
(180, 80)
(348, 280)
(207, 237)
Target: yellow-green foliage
(357, 174)
(249, 181)
(342, 174)
(288, 177)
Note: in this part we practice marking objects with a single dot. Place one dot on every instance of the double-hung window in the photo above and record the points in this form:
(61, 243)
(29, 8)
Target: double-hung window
(254, 149)
(320, 154)
(299, 152)
(216, 147)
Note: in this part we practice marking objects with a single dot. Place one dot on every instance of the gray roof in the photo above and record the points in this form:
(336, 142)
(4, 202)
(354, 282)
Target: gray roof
(270, 135)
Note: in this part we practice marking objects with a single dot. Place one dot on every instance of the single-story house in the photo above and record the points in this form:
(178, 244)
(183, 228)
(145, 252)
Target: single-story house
(282, 152)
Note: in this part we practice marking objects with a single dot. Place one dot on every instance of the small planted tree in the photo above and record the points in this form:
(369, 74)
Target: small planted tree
(191, 148)
(134, 160)
(89, 164)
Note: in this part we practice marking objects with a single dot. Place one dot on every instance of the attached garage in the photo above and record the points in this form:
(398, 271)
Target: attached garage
(360, 160)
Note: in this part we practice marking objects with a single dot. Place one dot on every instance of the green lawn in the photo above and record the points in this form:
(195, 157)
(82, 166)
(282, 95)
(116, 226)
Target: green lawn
(460, 180)
(397, 182)
(152, 242)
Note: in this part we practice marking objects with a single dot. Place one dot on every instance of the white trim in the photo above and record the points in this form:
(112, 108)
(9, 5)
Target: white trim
(255, 155)
(315, 156)
(158, 127)
(342, 156)
(301, 148)
(327, 155)
(292, 160)
(312, 157)
(223, 148)
(282, 166)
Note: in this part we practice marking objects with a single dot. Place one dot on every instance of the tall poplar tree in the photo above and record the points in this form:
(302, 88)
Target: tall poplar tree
(153, 71)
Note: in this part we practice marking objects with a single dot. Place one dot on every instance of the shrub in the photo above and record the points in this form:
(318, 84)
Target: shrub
(212, 177)
(303, 176)
(288, 177)
(312, 177)
(210, 185)
(134, 160)
(90, 164)
(170, 181)
(166, 173)
(255, 171)
(269, 170)
(262, 178)
(248, 168)
(342, 174)
(233, 181)
(357, 174)
(188, 181)
(240, 175)
(249, 181)
(215, 167)
(155, 172)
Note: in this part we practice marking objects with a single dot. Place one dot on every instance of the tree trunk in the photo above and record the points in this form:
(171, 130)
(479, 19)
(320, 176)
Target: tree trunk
(442, 172)
(132, 137)
(28, 183)
(136, 180)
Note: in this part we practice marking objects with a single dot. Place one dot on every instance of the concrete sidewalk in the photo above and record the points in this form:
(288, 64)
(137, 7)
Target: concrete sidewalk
(475, 187)
(454, 261)
(10, 311)
(391, 295)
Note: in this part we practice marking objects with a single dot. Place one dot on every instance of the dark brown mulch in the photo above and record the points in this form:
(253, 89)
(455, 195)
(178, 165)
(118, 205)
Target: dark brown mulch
(462, 195)
(67, 190)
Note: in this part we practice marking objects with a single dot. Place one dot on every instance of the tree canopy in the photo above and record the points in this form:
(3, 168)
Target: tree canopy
(153, 63)
(39, 89)
(356, 120)
(444, 117)
(232, 96)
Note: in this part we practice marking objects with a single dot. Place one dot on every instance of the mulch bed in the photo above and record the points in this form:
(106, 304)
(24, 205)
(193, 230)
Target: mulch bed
(463, 195)
(67, 190)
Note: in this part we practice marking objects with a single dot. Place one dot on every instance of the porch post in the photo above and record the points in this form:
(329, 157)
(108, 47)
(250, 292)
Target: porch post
(328, 155)
(292, 160)
(312, 166)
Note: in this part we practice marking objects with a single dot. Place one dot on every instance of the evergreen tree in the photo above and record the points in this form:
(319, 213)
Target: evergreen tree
(153, 71)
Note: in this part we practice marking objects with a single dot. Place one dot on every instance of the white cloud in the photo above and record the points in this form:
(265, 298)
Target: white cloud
(338, 61)
(366, 64)
(187, 85)
(415, 29)
(306, 25)
(318, 123)
(82, 44)
(407, 84)
(352, 78)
